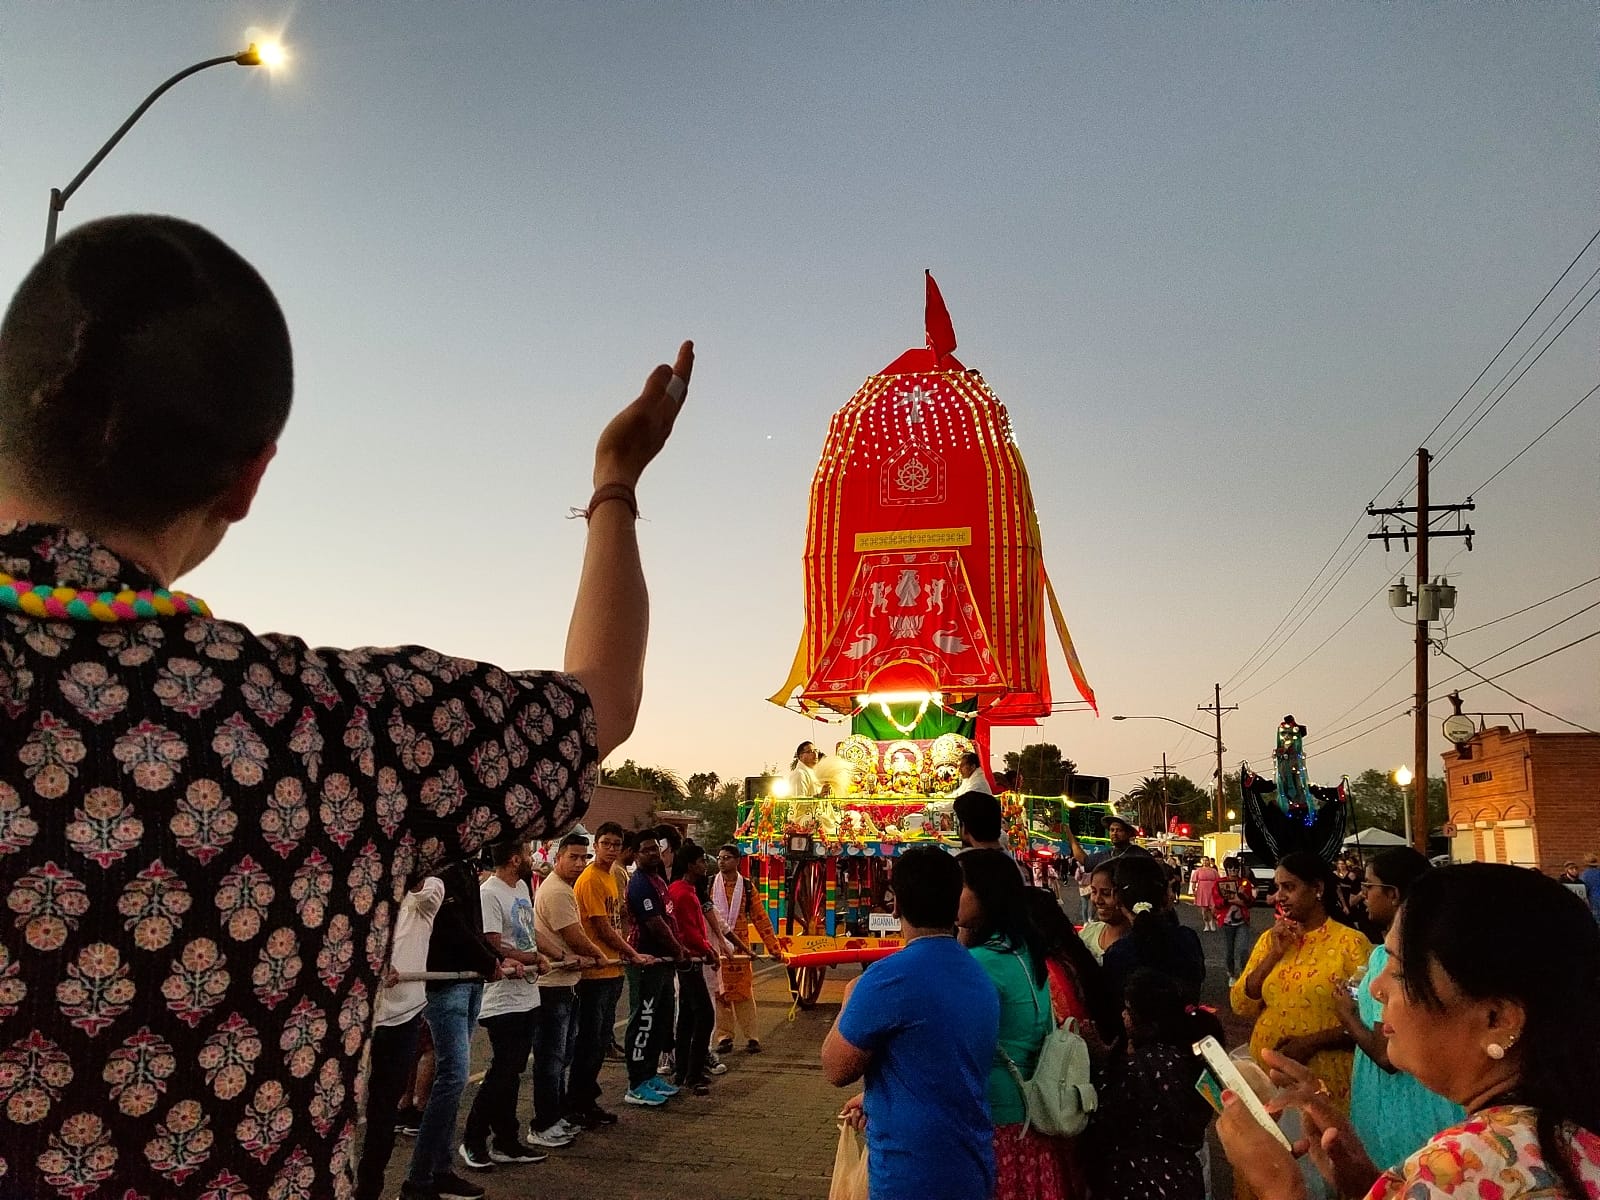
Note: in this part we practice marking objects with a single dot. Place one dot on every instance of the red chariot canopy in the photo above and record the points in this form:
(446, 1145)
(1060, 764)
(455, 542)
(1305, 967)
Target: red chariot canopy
(923, 565)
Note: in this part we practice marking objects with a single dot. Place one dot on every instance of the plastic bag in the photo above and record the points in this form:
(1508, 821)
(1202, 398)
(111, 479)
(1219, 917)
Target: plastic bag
(849, 1167)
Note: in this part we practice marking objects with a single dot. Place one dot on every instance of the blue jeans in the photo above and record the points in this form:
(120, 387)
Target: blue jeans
(554, 1038)
(451, 1013)
(597, 1014)
(1236, 946)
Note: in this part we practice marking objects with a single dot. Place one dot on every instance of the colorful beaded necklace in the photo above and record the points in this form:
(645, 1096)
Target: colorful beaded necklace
(66, 604)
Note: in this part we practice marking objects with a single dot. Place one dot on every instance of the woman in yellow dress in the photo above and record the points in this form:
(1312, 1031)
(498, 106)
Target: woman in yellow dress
(1289, 984)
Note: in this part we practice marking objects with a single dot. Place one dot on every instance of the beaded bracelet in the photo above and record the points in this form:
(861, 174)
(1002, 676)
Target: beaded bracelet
(611, 491)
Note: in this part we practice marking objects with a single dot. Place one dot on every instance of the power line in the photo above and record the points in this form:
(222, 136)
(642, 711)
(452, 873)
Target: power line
(1461, 436)
(1529, 608)
(1378, 712)
(1537, 440)
(1344, 569)
(1360, 608)
(1283, 620)
(1486, 366)
(1250, 664)
(1517, 698)
(1483, 679)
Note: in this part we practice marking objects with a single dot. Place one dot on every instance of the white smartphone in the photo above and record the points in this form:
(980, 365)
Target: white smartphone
(1216, 1058)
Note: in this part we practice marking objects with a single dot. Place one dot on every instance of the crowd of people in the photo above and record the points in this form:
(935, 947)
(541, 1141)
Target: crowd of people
(544, 946)
(239, 869)
(1397, 1085)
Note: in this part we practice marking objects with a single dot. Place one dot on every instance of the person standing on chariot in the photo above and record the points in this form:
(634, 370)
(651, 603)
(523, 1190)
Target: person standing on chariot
(734, 901)
(803, 779)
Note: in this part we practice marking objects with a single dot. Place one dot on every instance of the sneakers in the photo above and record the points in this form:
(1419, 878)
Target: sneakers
(752, 1047)
(662, 1088)
(725, 1046)
(476, 1157)
(552, 1138)
(412, 1191)
(516, 1152)
(716, 1066)
(645, 1096)
(701, 1089)
(595, 1118)
(568, 1128)
(451, 1186)
(408, 1121)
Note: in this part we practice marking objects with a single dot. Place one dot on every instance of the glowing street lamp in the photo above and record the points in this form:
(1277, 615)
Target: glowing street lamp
(268, 54)
(1403, 777)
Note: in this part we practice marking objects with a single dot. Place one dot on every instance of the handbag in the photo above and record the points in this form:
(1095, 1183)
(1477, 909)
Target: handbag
(1059, 1097)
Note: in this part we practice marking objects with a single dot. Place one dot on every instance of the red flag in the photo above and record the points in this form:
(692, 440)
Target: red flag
(941, 334)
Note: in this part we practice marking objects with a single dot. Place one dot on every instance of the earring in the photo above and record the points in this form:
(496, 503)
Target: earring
(1496, 1051)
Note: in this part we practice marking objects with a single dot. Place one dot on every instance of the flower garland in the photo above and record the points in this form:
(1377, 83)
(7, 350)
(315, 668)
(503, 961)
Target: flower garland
(65, 604)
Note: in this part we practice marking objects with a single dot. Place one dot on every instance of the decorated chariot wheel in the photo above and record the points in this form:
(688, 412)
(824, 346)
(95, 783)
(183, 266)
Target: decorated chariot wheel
(805, 983)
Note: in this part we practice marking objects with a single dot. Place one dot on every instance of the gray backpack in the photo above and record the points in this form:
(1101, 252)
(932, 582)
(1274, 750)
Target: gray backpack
(1060, 1096)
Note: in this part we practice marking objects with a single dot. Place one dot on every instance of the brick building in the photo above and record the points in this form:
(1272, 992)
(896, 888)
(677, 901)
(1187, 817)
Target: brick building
(1524, 797)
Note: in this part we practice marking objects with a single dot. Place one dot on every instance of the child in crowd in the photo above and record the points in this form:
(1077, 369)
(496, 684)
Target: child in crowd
(1151, 1123)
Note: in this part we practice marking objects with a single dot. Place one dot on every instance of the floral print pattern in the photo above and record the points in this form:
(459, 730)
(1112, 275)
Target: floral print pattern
(203, 833)
(1492, 1155)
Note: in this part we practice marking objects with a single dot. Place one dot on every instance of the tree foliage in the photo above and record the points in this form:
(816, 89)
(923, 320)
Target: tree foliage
(1042, 768)
(664, 782)
(1181, 800)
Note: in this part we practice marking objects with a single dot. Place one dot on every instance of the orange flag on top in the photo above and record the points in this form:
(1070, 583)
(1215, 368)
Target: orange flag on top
(941, 333)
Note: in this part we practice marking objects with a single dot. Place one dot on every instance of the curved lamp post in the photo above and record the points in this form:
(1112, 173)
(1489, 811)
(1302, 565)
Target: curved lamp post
(1216, 811)
(251, 56)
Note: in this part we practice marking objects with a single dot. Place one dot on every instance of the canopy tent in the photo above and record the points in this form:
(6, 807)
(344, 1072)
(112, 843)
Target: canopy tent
(1375, 837)
(924, 569)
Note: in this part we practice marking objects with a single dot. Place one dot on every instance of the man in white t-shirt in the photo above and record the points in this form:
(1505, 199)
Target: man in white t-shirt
(397, 1024)
(559, 924)
(508, 1013)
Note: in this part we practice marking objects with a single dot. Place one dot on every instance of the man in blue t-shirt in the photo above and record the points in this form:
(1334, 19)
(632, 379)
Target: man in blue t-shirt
(921, 1026)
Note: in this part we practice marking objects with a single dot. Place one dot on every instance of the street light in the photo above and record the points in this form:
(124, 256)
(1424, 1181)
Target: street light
(1216, 808)
(267, 55)
(1403, 777)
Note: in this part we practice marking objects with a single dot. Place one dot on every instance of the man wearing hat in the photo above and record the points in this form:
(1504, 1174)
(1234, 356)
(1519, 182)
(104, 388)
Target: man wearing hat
(1122, 844)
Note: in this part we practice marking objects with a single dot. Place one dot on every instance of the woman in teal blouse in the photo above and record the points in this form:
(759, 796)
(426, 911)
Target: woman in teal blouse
(994, 924)
(1393, 1113)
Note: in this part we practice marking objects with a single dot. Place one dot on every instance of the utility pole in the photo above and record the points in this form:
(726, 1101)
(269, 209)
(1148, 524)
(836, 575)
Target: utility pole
(1218, 808)
(1166, 813)
(1429, 599)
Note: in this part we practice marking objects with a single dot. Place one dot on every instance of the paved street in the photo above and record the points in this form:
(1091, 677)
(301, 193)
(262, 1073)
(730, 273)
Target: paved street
(766, 1132)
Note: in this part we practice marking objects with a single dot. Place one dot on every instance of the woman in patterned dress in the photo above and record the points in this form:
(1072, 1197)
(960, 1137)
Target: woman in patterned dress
(1491, 998)
(1289, 984)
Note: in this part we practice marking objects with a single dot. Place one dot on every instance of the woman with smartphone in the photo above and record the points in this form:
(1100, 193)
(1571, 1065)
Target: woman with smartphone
(1391, 1112)
(1491, 998)
(1294, 970)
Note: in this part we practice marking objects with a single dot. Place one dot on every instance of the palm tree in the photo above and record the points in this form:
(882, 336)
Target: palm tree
(1149, 801)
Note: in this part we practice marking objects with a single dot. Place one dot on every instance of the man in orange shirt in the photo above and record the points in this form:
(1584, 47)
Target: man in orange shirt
(601, 908)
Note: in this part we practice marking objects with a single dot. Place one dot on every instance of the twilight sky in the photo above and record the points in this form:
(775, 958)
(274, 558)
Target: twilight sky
(1225, 264)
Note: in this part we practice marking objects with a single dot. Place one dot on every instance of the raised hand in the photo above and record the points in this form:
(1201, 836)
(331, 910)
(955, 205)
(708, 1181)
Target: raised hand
(637, 433)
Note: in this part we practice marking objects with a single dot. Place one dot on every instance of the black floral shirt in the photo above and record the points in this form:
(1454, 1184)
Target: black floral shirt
(204, 834)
